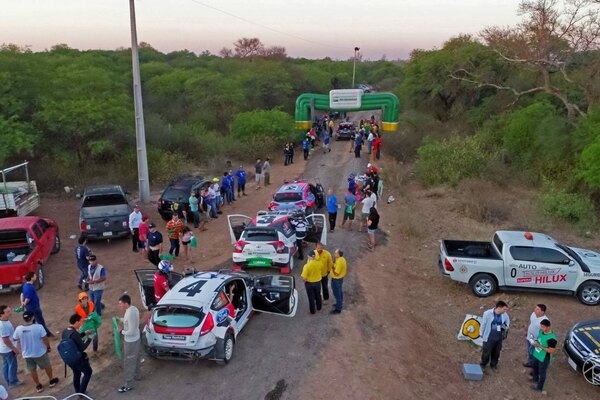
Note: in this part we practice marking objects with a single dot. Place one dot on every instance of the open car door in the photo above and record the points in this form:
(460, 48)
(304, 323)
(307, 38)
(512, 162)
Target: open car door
(317, 228)
(275, 294)
(237, 224)
(145, 279)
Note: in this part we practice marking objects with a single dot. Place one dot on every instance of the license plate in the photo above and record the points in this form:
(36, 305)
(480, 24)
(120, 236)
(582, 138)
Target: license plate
(173, 337)
(106, 233)
(572, 363)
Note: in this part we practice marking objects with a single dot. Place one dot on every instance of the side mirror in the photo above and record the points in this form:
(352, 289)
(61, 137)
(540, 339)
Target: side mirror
(570, 262)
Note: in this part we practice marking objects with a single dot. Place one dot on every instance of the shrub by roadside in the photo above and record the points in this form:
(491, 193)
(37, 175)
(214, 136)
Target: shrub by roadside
(575, 208)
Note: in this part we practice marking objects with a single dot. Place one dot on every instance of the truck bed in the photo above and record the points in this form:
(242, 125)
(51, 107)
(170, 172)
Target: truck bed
(19, 198)
(470, 249)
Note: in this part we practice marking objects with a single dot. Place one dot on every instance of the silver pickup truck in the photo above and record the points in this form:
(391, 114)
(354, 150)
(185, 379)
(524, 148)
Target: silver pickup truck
(526, 261)
(104, 212)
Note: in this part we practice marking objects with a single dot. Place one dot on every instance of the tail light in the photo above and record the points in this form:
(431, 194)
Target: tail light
(310, 204)
(279, 247)
(448, 266)
(83, 226)
(148, 326)
(239, 246)
(208, 325)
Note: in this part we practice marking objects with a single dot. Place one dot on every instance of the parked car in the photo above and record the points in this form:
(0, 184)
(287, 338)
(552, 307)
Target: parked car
(179, 191)
(516, 260)
(297, 194)
(25, 245)
(269, 239)
(346, 130)
(104, 212)
(582, 346)
(197, 319)
(18, 197)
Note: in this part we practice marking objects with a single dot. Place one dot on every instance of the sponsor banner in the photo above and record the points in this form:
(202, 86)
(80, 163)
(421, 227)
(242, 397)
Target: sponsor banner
(550, 279)
(541, 272)
(524, 280)
(471, 329)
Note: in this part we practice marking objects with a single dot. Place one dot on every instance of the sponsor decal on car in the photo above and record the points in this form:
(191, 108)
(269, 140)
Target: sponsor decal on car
(463, 269)
(523, 280)
(591, 274)
(551, 279)
(542, 272)
(527, 266)
(222, 315)
(464, 261)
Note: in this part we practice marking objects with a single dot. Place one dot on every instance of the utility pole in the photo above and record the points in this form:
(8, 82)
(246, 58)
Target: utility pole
(140, 133)
(356, 49)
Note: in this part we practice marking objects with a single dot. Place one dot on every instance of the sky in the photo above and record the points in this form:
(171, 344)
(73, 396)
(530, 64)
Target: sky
(306, 28)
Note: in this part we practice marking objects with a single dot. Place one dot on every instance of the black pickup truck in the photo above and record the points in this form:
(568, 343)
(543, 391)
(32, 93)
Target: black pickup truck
(104, 212)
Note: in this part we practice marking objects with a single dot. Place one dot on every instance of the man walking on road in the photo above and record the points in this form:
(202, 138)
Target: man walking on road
(81, 341)
(131, 343)
(311, 274)
(8, 348)
(349, 205)
(545, 347)
(338, 272)
(82, 253)
(31, 302)
(97, 282)
(493, 327)
(332, 208)
(537, 316)
(174, 231)
(135, 218)
(323, 257)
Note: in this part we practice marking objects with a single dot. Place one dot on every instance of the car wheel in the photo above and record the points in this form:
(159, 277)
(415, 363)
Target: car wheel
(483, 285)
(228, 345)
(589, 293)
(39, 282)
(56, 247)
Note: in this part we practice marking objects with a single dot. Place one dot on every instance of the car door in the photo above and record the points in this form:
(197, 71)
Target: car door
(317, 228)
(557, 270)
(46, 239)
(275, 294)
(145, 278)
(237, 224)
(520, 267)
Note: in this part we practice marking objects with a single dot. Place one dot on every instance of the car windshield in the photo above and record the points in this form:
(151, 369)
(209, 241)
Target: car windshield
(260, 235)
(174, 193)
(112, 199)
(286, 197)
(177, 317)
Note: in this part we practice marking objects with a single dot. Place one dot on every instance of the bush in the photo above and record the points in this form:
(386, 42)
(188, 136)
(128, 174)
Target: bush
(572, 207)
(589, 165)
(450, 160)
(275, 123)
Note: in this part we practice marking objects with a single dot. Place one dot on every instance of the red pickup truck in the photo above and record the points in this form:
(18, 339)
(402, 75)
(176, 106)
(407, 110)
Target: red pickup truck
(25, 245)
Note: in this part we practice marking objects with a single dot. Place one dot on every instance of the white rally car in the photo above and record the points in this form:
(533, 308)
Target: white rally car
(269, 239)
(196, 318)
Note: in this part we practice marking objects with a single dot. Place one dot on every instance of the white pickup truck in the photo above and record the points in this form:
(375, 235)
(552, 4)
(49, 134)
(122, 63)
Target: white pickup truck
(17, 198)
(525, 261)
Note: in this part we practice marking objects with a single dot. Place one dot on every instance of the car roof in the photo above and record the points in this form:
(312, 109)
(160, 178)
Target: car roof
(517, 238)
(102, 189)
(213, 281)
(18, 222)
(295, 186)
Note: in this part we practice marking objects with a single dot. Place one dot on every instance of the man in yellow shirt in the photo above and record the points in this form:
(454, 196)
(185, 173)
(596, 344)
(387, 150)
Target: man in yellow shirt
(311, 273)
(324, 258)
(338, 272)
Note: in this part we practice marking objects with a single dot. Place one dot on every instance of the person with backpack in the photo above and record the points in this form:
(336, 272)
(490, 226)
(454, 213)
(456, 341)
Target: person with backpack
(72, 351)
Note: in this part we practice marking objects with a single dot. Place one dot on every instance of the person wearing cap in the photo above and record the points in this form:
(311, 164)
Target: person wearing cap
(81, 341)
(241, 183)
(84, 308)
(31, 302)
(135, 218)
(218, 195)
(34, 344)
(8, 348)
(311, 274)
(174, 232)
(267, 171)
(323, 257)
(338, 272)
(97, 283)
(155, 242)
(81, 256)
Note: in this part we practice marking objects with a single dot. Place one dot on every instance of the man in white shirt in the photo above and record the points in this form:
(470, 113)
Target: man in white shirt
(8, 348)
(537, 316)
(370, 139)
(135, 219)
(369, 201)
(131, 343)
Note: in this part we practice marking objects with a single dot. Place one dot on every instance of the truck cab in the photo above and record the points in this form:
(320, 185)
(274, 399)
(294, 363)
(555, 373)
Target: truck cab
(104, 212)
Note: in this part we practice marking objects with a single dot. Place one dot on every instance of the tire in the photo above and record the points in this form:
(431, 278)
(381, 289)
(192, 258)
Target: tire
(483, 285)
(228, 346)
(41, 279)
(589, 293)
(56, 247)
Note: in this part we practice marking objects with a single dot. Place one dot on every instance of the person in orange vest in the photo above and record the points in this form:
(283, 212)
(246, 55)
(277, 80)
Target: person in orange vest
(84, 308)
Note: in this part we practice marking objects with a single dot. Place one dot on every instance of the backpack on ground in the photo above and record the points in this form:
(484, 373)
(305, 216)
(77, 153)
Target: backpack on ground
(69, 352)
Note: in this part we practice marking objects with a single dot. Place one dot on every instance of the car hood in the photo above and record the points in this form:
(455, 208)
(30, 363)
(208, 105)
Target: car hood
(589, 333)
(592, 260)
(105, 211)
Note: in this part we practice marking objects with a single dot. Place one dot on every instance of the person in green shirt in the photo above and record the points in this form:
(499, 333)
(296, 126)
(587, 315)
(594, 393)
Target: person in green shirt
(544, 348)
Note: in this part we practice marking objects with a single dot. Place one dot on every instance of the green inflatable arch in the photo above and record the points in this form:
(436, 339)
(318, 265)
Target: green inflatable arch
(388, 102)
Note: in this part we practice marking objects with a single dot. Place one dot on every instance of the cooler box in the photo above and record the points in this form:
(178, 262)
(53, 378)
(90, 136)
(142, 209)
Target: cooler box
(472, 372)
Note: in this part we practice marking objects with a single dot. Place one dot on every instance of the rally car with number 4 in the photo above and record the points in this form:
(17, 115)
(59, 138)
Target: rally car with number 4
(525, 261)
(203, 314)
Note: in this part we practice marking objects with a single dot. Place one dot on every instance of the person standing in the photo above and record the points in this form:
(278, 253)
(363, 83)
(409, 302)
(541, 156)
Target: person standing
(231, 192)
(494, 324)
(84, 308)
(31, 302)
(372, 225)
(292, 152)
(326, 142)
(161, 280)
(376, 148)
(338, 272)
(135, 218)
(358, 142)
(211, 199)
(370, 139)
(82, 253)
(367, 203)
(286, 154)
(349, 205)
(332, 207)
(155, 241)
(241, 183)
(537, 316)
(194, 208)
(8, 348)
(131, 343)
(31, 338)
(306, 147)
(300, 225)
(174, 232)
(545, 347)
(97, 282)
(311, 274)
(258, 172)
(326, 262)
(143, 236)
(82, 365)
(267, 172)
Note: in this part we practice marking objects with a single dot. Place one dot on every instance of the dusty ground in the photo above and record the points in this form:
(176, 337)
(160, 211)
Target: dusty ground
(396, 339)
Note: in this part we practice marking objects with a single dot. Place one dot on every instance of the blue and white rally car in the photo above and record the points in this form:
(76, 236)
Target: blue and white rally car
(202, 315)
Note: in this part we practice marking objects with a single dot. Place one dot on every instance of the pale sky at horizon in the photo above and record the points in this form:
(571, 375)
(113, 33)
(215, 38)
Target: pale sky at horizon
(307, 28)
